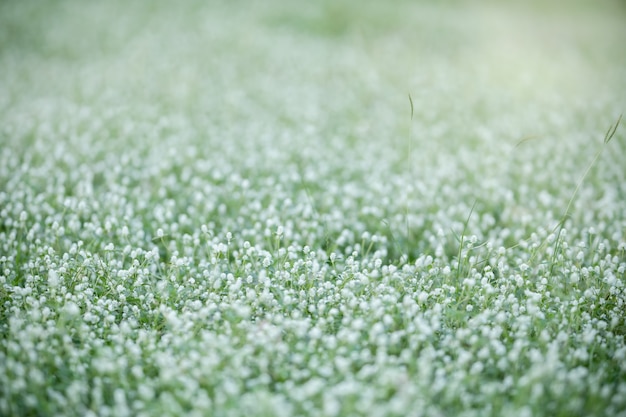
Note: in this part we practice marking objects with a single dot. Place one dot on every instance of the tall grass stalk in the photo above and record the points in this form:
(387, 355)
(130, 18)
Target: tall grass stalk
(558, 229)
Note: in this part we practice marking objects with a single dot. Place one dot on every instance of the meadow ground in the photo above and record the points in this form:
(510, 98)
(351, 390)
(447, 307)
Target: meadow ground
(312, 208)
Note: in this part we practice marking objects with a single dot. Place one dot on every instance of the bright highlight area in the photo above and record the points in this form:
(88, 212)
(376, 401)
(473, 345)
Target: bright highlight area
(320, 208)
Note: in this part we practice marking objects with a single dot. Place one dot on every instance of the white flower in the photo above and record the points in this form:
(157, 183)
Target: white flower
(71, 309)
(53, 279)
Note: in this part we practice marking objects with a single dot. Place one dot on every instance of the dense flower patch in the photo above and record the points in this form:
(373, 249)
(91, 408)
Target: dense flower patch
(233, 211)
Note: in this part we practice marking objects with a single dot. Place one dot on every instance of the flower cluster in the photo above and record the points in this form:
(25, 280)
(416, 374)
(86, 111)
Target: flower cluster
(212, 212)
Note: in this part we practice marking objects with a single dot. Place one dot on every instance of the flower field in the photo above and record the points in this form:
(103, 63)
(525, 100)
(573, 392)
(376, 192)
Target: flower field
(331, 208)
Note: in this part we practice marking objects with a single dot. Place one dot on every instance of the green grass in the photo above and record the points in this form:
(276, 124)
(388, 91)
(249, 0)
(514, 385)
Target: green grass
(231, 209)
